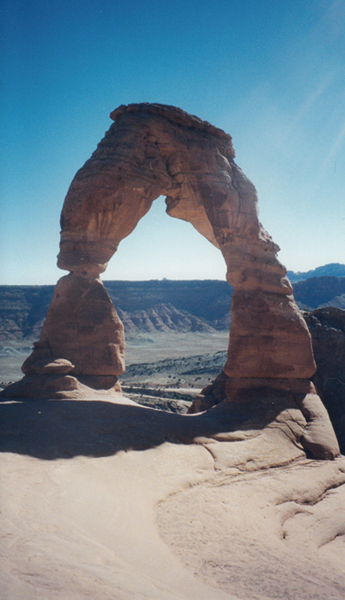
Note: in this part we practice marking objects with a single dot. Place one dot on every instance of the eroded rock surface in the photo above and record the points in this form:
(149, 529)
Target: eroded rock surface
(152, 150)
(286, 540)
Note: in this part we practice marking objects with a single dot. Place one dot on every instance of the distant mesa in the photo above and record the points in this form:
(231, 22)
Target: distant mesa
(315, 292)
(155, 305)
(330, 270)
(152, 150)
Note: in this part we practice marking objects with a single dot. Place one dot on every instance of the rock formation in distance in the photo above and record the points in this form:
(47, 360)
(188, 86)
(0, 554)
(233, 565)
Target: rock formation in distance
(152, 150)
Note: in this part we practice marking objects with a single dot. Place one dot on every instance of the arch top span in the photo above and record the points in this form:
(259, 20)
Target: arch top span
(153, 150)
(177, 116)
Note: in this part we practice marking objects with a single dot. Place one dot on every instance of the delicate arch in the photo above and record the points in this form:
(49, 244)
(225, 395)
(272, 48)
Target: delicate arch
(152, 150)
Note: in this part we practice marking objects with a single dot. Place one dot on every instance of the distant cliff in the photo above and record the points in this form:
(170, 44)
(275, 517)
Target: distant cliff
(143, 306)
(320, 291)
(157, 305)
(332, 269)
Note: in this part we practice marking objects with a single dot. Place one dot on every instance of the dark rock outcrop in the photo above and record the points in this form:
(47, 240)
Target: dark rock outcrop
(327, 327)
(319, 291)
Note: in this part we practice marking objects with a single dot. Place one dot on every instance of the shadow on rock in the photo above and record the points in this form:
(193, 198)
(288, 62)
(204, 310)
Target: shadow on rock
(53, 429)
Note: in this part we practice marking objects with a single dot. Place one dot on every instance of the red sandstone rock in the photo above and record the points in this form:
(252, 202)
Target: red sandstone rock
(46, 366)
(82, 326)
(269, 337)
(82, 335)
(154, 150)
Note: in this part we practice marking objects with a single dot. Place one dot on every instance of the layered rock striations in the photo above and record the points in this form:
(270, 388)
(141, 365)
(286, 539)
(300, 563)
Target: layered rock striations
(83, 327)
(152, 150)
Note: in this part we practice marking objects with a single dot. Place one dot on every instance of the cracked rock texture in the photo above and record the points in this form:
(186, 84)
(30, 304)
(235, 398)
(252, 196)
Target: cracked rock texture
(287, 541)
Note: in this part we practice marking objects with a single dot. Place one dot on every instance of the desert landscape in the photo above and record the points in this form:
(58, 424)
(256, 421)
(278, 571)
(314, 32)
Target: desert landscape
(211, 465)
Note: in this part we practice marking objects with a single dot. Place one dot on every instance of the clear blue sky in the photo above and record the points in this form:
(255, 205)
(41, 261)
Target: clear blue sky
(270, 73)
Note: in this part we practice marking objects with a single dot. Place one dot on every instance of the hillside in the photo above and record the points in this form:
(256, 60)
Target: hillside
(320, 291)
(157, 305)
(143, 306)
(22, 310)
(166, 305)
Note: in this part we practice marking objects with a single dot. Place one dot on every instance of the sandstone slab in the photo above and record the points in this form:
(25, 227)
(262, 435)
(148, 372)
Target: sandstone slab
(104, 499)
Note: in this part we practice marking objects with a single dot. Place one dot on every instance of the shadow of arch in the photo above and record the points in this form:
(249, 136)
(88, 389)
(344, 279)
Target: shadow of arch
(55, 429)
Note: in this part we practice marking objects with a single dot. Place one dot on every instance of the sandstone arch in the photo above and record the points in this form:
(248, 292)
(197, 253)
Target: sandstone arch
(152, 150)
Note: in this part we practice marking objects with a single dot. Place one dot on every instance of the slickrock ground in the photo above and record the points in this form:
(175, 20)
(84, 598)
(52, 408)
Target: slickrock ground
(270, 534)
(102, 498)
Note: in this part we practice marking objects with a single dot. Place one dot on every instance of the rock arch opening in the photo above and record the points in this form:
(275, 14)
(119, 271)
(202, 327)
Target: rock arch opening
(161, 247)
(152, 150)
(166, 307)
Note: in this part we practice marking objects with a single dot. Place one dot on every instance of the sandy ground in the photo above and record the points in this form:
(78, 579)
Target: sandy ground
(110, 500)
(85, 528)
(140, 349)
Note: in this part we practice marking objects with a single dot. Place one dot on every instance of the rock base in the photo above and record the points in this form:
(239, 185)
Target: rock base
(318, 437)
(57, 387)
